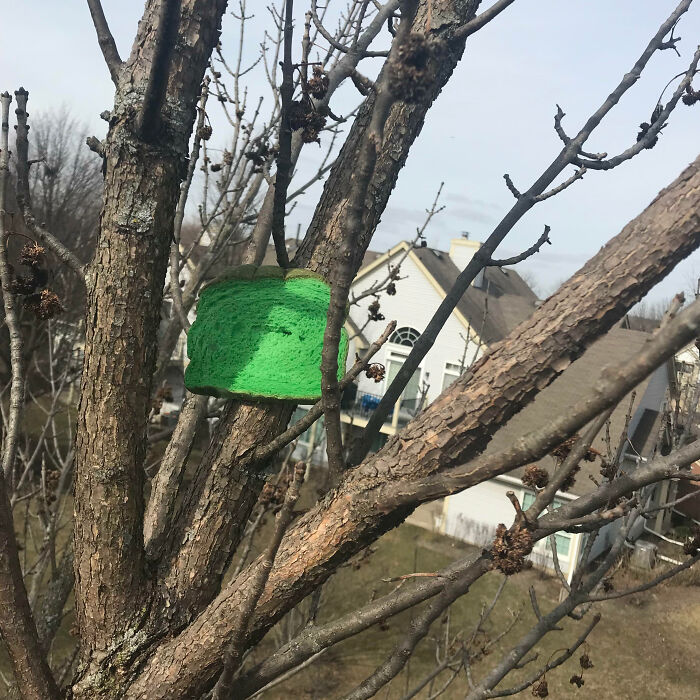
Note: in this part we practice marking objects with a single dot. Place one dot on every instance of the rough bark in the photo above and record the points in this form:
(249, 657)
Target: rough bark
(456, 427)
(223, 492)
(124, 289)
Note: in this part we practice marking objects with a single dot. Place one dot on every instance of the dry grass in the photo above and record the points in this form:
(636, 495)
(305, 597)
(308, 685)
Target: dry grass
(644, 647)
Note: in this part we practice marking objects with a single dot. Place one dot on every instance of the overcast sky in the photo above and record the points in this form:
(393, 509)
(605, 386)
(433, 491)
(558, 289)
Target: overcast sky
(495, 116)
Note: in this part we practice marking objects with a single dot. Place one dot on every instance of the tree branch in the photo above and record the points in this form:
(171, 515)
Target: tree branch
(284, 155)
(535, 248)
(483, 19)
(174, 274)
(149, 119)
(558, 661)
(256, 586)
(16, 624)
(321, 637)
(105, 40)
(560, 188)
(558, 126)
(65, 255)
(262, 454)
(157, 519)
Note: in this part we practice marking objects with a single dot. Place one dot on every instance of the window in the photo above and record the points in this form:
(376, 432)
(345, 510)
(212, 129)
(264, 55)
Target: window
(407, 405)
(310, 439)
(452, 372)
(404, 336)
(563, 539)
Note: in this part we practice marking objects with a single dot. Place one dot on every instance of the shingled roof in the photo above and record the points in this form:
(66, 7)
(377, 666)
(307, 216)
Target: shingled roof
(566, 391)
(494, 309)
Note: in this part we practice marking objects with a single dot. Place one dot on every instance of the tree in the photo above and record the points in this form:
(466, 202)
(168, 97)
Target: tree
(161, 612)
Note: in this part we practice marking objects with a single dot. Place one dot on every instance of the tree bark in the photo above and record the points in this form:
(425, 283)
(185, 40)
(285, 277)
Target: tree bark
(456, 427)
(124, 290)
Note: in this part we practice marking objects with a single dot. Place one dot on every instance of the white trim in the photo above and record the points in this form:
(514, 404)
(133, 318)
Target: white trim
(561, 495)
(452, 373)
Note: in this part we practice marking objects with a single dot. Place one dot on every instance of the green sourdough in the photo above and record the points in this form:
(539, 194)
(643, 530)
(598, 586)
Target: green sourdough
(259, 335)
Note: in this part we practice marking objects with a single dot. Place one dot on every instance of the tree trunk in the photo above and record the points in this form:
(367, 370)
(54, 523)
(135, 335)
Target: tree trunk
(145, 153)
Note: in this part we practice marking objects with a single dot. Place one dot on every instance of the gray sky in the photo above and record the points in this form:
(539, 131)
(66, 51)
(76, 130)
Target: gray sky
(495, 116)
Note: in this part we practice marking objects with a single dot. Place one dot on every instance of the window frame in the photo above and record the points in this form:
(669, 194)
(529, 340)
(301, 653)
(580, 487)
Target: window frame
(407, 331)
(447, 372)
(545, 544)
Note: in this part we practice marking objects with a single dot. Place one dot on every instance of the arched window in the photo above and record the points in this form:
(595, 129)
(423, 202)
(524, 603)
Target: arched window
(404, 336)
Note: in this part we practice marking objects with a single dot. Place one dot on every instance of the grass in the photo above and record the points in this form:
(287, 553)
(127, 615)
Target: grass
(643, 648)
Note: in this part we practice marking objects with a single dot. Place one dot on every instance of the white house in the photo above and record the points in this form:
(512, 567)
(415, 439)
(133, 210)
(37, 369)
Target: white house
(494, 305)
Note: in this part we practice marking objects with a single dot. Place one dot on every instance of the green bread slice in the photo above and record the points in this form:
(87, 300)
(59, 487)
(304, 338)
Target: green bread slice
(259, 335)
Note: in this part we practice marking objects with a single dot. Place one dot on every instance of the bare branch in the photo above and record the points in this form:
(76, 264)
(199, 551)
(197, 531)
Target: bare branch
(483, 19)
(576, 454)
(363, 84)
(166, 484)
(535, 248)
(10, 306)
(649, 584)
(613, 383)
(16, 623)
(95, 145)
(467, 569)
(650, 132)
(511, 186)
(174, 274)
(417, 630)
(22, 132)
(284, 156)
(148, 119)
(316, 411)
(105, 40)
(558, 661)
(558, 126)
(338, 46)
(560, 188)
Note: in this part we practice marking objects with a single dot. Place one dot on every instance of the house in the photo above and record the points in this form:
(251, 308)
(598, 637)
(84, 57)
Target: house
(474, 514)
(492, 307)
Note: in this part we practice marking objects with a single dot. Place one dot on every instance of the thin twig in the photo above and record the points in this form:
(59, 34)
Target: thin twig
(535, 248)
(284, 155)
(316, 411)
(105, 40)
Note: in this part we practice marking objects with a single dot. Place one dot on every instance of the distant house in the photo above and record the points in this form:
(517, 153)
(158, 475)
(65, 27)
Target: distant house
(497, 301)
(495, 304)
(474, 514)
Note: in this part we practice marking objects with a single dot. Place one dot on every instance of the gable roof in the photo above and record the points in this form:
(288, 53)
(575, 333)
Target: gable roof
(566, 391)
(493, 310)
